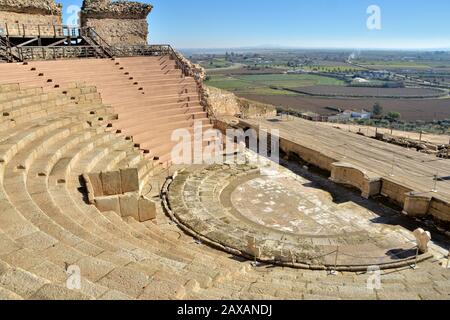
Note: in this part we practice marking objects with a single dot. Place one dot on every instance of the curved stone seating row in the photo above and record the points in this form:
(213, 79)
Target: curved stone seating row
(44, 132)
(200, 202)
(47, 226)
(41, 199)
(115, 262)
(150, 94)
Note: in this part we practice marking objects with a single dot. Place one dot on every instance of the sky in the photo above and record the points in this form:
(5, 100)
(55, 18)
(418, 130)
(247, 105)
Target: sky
(403, 24)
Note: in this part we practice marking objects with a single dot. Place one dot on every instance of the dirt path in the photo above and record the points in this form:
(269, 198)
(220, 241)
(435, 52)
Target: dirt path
(370, 131)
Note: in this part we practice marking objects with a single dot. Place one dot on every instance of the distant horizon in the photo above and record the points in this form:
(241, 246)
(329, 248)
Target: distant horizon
(281, 47)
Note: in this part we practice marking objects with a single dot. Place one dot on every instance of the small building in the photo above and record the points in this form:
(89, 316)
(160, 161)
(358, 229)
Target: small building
(350, 114)
(373, 74)
(361, 115)
(312, 116)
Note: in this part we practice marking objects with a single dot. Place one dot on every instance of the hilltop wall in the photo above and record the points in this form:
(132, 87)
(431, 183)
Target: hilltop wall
(223, 103)
(120, 23)
(14, 14)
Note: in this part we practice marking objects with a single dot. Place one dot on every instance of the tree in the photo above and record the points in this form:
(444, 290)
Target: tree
(393, 115)
(377, 109)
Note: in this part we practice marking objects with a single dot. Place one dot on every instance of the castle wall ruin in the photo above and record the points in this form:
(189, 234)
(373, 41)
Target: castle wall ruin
(29, 18)
(120, 23)
(224, 103)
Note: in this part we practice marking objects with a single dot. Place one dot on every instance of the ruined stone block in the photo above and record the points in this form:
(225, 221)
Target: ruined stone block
(108, 204)
(32, 18)
(423, 238)
(90, 190)
(417, 205)
(111, 183)
(96, 184)
(147, 210)
(118, 23)
(129, 205)
(129, 180)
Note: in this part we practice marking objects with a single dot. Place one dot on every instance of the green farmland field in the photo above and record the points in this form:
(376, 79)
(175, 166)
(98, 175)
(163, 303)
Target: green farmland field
(269, 84)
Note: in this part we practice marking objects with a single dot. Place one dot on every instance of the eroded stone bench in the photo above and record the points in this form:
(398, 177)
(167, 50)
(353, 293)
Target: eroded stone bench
(118, 191)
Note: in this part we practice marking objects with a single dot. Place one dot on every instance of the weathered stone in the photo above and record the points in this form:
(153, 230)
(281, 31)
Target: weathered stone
(93, 268)
(110, 203)
(15, 14)
(96, 184)
(42, 7)
(423, 238)
(54, 292)
(90, 189)
(147, 209)
(223, 103)
(417, 204)
(118, 23)
(129, 205)
(126, 280)
(21, 282)
(111, 183)
(129, 179)
(252, 248)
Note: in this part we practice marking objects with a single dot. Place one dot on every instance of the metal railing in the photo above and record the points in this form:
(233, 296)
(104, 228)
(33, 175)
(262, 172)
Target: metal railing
(94, 39)
(90, 35)
(7, 52)
(95, 45)
(39, 30)
(57, 52)
(152, 50)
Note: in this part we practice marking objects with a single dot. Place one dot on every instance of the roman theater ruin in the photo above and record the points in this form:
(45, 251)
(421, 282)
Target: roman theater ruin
(93, 205)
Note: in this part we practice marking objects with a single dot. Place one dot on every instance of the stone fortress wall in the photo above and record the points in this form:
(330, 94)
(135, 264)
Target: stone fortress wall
(118, 23)
(19, 17)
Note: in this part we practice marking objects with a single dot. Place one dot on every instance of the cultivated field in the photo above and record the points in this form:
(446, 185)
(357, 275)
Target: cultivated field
(269, 84)
(261, 77)
(410, 109)
(368, 92)
(237, 70)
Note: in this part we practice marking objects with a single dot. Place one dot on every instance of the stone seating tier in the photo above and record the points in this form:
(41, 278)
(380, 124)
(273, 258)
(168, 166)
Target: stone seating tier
(150, 95)
(48, 139)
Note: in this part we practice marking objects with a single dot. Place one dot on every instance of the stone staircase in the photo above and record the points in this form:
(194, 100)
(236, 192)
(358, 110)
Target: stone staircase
(49, 137)
(46, 225)
(151, 96)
